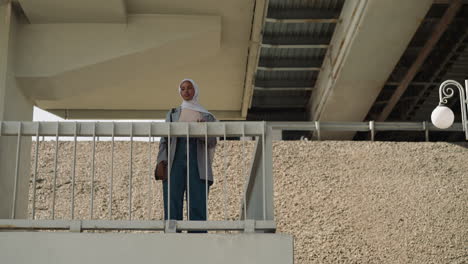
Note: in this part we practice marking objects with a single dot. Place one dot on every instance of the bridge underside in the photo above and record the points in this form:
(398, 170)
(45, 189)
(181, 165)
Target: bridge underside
(116, 59)
(351, 60)
(276, 60)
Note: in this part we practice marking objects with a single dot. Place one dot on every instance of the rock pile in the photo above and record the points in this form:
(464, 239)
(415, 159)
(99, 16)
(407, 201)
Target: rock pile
(344, 202)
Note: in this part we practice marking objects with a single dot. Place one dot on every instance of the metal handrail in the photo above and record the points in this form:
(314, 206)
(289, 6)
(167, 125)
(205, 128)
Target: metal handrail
(360, 126)
(123, 129)
(257, 200)
(131, 130)
(233, 129)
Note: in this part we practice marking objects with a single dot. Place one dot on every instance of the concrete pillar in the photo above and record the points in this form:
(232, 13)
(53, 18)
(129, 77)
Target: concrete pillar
(14, 106)
(367, 44)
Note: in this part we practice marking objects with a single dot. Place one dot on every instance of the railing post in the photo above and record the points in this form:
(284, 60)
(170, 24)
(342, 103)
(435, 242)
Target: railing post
(317, 128)
(15, 161)
(269, 195)
(259, 189)
(372, 130)
(426, 131)
(170, 226)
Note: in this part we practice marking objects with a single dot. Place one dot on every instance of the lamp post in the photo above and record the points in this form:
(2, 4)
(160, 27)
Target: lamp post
(442, 116)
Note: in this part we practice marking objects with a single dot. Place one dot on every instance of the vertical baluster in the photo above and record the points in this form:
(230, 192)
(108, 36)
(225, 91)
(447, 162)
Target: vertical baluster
(150, 176)
(15, 187)
(225, 174)
(131, 172)
(92, 172)
(263, 171)
(206, 168)
(112, 171)
(156, 160)
(73, 174)
(244, 171)
(464, 109)
(169, 172)
(55, 170)
(188, 172)
(36, 154)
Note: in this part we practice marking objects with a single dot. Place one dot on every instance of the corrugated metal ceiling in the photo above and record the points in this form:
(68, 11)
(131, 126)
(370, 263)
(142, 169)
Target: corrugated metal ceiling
(295, 40)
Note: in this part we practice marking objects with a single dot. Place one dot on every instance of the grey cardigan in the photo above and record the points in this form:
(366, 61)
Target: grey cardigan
(162, 155)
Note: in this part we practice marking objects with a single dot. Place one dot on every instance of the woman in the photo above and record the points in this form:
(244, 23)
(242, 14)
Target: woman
(189, 111)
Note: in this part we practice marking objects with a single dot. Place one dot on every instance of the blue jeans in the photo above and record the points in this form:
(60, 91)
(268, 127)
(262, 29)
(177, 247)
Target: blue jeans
(197, 189)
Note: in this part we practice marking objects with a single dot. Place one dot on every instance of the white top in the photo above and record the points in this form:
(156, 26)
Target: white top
(189, 115)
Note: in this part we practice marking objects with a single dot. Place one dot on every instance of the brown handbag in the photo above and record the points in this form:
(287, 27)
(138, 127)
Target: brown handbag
(160, 173)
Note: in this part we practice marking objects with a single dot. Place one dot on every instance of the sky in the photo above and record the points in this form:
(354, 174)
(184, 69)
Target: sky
(41, 115)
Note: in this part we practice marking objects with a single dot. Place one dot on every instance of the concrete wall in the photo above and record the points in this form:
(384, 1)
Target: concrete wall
(45, 247)
(13, 106)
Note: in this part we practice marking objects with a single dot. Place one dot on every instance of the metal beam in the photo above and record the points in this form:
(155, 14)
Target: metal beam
(290, 62)
(423, 54)
(291, 39)
(295, 114)
(256, 36)
(288, 68)
(300, 13)
(284, 83)
(278, 107)
(402, 99)
(448, 2)
(275, 89)
(307, 20)
(412, 83)
(313, 46)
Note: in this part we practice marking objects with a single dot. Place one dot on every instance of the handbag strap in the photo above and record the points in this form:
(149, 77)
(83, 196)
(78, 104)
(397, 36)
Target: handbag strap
(170, 116)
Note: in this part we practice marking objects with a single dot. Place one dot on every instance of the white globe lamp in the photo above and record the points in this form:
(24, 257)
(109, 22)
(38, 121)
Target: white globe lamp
(442, 117)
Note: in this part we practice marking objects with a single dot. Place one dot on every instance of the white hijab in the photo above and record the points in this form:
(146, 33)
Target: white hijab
(192, 104)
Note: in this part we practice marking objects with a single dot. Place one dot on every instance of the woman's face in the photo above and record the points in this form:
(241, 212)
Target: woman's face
(187, 91)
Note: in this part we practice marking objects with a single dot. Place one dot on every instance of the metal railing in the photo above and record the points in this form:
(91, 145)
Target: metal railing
(248, 219)
(372, 127)
(256, 212)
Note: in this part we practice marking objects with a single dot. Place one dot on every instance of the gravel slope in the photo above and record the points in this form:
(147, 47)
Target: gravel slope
(344, 202)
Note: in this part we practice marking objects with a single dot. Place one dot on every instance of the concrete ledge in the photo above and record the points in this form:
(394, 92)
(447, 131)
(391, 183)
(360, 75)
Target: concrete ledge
(65, 247)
